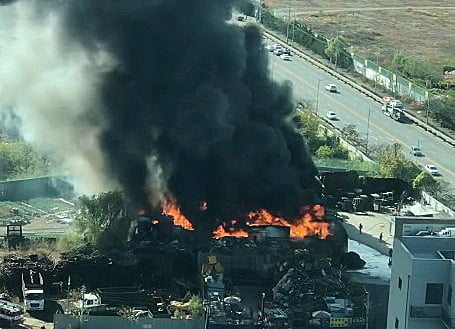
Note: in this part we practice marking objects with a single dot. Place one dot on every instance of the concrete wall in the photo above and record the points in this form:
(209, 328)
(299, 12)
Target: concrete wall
(436, 205)
(401, 268)
(65, 321)
(25, 189)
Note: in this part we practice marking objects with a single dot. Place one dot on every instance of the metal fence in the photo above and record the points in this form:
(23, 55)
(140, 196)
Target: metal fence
(66, 321)
(396, 84)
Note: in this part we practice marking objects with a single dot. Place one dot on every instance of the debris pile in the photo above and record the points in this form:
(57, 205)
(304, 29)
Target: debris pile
(352, 261)
(86, 265)
(304, 282)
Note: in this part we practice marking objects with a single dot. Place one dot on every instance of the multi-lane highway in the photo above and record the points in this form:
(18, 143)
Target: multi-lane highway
(352, 108)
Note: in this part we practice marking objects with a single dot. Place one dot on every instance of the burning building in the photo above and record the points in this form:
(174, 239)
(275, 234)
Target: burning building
(186, 120)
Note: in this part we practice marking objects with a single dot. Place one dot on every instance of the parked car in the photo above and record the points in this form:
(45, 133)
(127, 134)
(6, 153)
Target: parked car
(332, 88)
(432, 169)
(285, 57)
(331, 115)
(416, 151)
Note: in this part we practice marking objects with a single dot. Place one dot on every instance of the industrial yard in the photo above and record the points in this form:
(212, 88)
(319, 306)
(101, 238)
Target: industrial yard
(270, 272)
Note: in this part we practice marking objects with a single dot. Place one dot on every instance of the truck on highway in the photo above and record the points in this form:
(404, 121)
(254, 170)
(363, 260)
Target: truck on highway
(33, 291)
(393, 108)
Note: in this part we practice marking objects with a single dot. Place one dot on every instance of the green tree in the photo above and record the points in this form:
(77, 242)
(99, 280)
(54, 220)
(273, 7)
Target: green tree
(19, 160)
(393, 164)
(195, 307)
(336, 151)
(412, 68)
(102, 219)
(308, 125)
(424, 181)
(443, 111)
(336, 48)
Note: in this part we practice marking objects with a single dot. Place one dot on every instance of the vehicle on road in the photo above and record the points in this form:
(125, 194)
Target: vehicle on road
(393, 108)
(285, 57)
(278, 51)
(416, 151)
(331, 115)
(332, 88)
(432, 169)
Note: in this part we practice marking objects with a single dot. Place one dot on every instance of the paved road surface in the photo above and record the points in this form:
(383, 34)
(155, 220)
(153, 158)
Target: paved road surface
(352, 107)
(312, 10)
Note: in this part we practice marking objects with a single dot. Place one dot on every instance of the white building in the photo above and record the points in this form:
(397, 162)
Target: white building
(423, 276)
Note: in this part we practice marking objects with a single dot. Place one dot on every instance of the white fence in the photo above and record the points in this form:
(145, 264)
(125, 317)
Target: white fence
(436, 205)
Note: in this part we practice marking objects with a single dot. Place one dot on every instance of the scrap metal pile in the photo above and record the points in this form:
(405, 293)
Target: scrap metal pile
(303, 282)
(86, 266)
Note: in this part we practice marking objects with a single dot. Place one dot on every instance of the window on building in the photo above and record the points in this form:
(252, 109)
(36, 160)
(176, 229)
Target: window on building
(397, 323)
(433, 294)
(449, 296)
(400, 283)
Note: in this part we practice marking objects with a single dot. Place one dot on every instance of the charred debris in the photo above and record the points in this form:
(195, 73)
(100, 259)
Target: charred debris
(164, 262)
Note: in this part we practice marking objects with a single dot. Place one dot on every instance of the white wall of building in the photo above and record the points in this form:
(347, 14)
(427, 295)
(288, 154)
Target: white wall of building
(401, 268)
(416, 268)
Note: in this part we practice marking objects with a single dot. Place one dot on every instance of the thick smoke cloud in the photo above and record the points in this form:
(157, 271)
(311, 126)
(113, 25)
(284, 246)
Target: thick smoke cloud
(51, 85)
(184, 106)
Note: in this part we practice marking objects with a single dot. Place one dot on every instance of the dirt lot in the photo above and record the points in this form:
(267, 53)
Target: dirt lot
(425, 28)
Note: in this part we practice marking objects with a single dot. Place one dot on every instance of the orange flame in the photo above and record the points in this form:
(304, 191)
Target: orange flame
(221, 232)
(170, 208)
(303, 227)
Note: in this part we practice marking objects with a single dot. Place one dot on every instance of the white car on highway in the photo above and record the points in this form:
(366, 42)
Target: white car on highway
(285, 57)
(416, 151)
(332, 115)
(432, 169)
(332, 88)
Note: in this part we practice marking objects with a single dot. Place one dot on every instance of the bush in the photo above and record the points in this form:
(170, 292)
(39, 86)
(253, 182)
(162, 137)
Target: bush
(337, 152)
(69, 241)
(443, 111)
(195, 307)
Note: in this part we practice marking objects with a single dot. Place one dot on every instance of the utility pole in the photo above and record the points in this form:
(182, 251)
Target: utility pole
(368, 131)
(428, 109)
(289, 23)
(293, 28)
(317, 97)
(260, 12)
(262, 310)
(81, 316)
(377, 72)
(396, 76)
(68, 295)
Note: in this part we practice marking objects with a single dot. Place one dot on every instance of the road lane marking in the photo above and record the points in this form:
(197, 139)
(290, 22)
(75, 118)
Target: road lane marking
(392, 137)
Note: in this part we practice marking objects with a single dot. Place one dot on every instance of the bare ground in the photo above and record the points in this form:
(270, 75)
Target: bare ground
(378, 29)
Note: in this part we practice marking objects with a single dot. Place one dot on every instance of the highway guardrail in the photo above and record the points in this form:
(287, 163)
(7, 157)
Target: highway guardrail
(356, 86)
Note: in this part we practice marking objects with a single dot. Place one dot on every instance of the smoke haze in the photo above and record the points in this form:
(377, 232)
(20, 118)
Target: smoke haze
(159, 98)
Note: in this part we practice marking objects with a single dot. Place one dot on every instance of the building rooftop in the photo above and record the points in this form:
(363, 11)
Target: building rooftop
(430, 247)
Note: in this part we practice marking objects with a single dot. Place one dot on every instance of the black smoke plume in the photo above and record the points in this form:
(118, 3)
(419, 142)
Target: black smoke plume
(190, 110)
